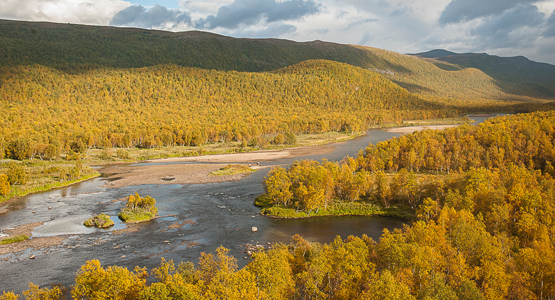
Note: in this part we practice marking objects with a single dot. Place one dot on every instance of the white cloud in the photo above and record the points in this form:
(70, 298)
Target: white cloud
(94, 12)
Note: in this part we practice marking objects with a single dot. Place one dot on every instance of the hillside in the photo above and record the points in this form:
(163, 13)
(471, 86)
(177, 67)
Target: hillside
(167, 105)
(73, 48)
(79, 48)
(515, 75)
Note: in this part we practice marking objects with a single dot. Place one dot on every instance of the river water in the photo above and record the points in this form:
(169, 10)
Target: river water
(210, 215)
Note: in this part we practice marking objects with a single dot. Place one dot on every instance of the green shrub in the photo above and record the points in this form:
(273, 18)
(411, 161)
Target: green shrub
(106, 154)
(290, 138)
(17, 174)
(232, 170)
(14, 239)
(122, 154)
(279, 139)
(263, 201)
(100, 221)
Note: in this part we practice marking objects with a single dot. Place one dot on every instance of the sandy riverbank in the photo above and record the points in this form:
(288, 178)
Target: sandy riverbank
(35, 243)
(411, 129)
(123, 176)
(253, 157)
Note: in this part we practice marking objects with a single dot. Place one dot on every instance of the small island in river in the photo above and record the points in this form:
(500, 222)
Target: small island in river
(100, 221)
(138, 209)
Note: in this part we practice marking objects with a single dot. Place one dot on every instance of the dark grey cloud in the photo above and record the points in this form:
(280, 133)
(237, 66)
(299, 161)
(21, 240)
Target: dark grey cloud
(550, 31)
(155, 17)
(500, 26)
(466, 10)
(250, 12)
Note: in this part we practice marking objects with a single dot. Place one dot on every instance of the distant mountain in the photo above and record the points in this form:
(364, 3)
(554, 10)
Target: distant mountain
(79, 48)
(515, 74)
(435, 53)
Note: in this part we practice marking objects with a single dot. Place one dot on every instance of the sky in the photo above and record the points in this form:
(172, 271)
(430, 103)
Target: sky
(496, 27)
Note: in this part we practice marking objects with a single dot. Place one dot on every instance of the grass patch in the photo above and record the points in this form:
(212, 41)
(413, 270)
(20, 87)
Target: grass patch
(14, 239)
(335, 209)
(100, 221)
(232, 170)
(135, 216)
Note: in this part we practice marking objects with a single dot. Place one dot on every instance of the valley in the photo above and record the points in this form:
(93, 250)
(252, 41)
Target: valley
(382, 175)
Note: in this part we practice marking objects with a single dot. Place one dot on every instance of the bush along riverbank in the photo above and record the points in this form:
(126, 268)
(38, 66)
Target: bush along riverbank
(334, 209)
(39, 176)
(138, 209)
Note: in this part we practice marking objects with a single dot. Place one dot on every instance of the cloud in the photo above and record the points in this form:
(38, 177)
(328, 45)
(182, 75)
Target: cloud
(500, 26)
(159, 17)
(359, 22)
(365, 38)
(250, 12)
(466, 10)
(519, 30)
(550, 30)
(274, 30)
(399, 12)
(322, 31)
(97, 12)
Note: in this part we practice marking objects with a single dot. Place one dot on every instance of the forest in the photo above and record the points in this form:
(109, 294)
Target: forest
(47, 111)
(482, 230)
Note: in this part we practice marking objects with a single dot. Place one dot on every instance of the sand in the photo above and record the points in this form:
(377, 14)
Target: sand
(253, 157)
(166, 174)
(411, 129)
(123, 176)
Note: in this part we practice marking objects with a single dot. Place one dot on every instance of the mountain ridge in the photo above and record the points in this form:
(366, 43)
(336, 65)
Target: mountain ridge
(78, 48)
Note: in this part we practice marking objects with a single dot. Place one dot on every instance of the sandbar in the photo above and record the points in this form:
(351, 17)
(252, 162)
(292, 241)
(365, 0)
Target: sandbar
(411, 129)
(255, 156)
(36, 243)
(191, 173)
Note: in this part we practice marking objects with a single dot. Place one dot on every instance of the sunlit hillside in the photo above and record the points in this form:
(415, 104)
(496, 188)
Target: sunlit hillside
(78, 48)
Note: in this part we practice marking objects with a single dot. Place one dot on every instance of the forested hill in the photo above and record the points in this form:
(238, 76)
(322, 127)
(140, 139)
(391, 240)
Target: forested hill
(78, 48)
(169, 105)
(74, 48)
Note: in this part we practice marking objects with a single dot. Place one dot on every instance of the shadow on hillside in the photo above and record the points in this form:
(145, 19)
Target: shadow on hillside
(446, 66)
(513, 75)
(411, 87)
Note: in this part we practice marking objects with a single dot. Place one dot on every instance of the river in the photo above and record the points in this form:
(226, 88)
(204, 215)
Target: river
(210, 215)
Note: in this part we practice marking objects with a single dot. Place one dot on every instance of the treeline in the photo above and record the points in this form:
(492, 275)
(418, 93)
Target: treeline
(524, 140)
(385, 173)
(46, 110)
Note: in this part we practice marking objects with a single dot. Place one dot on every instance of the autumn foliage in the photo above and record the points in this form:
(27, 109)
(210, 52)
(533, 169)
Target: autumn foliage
(169, 105)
